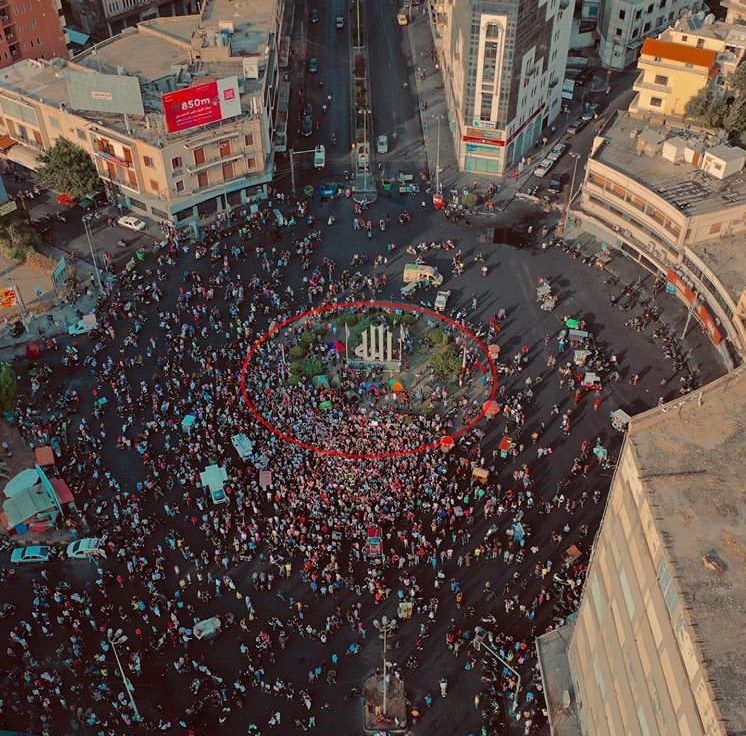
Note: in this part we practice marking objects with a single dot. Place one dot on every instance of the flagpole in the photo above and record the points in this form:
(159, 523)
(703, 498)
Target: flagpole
(347, 340)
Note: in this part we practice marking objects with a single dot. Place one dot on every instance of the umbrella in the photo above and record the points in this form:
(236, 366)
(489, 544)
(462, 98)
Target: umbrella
(494, 351)
(339, 346)
(447, 443)
(325, 405)
(396, 386)
(491, 408)
(573, 324)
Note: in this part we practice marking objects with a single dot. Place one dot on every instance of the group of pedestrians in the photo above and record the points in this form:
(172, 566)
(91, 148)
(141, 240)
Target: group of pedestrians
(286, 563)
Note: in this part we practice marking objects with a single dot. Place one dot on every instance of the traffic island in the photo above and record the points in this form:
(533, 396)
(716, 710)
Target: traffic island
(384, 713)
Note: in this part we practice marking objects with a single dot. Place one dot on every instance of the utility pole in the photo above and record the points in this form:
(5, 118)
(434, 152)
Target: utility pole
(437, 158)
(385, 627)
(292, 173)
(575, 156)
(89, 237)
(114, 638)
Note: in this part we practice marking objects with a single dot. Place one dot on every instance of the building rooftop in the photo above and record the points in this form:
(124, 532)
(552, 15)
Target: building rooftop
(726, 257)
(691, 453)
(678, 52)
(230, 37)
(684, 185)
(704, 25)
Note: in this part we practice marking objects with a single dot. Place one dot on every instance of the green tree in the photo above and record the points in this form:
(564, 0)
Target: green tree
(8, 388)
(735, 121)
(17, 237)
(68, 169)
(707, 107)
(446, 363)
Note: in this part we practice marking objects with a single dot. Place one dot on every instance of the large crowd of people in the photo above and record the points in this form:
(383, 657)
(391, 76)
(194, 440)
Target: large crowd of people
(287, 559)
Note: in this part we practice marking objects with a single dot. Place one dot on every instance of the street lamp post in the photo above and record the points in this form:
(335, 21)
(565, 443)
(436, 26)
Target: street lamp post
(437, 154)
(114, 638)
(89, 238)
(575, 156)
(385, 627)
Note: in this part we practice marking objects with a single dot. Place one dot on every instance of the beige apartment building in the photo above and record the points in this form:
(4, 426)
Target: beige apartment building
(670, 75)
(109, 100)
(656, 648)
(675, 201)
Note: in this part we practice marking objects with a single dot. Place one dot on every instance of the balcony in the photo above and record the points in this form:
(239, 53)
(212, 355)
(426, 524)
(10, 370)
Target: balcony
(213, 161)
(640, 84)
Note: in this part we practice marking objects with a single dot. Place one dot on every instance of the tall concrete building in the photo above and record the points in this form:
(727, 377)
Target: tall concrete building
(657, 646)
(103, 18)
(503, 63)
(624, 24)
(31, 30)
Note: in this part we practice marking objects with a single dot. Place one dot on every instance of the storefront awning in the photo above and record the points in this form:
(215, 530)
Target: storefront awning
(22, 156)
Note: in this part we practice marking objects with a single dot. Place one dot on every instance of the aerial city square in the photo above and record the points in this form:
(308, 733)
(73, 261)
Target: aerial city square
(372, 367)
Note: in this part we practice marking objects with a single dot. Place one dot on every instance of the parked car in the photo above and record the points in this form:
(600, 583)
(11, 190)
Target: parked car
(315, 15)
(313, 65)
(576, 127)
(83, 549)
(131, 222)
(382, 144)
(339, 21)
(34, 553)
(558, 149)
(554, 186)
(328, 190)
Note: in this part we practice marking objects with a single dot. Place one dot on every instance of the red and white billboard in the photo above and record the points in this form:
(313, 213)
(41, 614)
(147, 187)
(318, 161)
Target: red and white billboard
(202, 104)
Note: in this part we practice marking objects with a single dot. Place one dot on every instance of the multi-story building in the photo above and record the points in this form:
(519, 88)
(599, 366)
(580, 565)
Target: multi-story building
(155, 161)
(671, 74)
(675, 201)
(736, 11)
(503, 64)
(656, 647)
(624, 24)
(103, 18)
(702, 31)
(31, 29)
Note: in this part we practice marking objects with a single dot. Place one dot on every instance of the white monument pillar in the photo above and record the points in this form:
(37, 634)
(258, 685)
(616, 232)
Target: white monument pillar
(389, 347)
(365, 346)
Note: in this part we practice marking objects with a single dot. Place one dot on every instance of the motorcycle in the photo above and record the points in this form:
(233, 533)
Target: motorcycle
(484, 271)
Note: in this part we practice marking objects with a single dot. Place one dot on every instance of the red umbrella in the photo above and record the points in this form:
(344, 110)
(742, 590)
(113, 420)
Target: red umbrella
(447, 443)
(339, 346)
(491, 408)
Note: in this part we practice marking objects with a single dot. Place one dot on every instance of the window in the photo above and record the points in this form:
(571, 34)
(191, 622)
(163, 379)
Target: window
(684, 39)
(627, 594)
(635, 32)
(147, 161)
(248, 140)
(650, 8)
(179, 185)
(700, 43)
(225, 148)
(251, 163)
(485, 111)
(37, 138)
(638, 15)
(662, 4)
(54, 122)
(622, 14)
(492, 30)
(618, 32)
(80, 133)
(661, 79)
(132, 178)
(176, 162)
(656, 102)
(202, 180)
(227, 172)
(646, 27)
(199, 156)
(153, 185)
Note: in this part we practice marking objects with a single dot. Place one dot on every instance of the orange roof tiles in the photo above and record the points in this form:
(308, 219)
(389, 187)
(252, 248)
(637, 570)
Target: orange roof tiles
(679, 52)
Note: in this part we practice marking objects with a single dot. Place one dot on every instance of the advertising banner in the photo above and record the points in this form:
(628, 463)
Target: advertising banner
(201, 105)
(112, 93)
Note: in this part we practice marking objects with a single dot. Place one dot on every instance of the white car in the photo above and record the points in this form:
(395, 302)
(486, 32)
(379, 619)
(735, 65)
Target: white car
(382, 144)
(319, 157)
(131, 223)
(543, 167)
(34, 553)
(559, 148)
(83, 549)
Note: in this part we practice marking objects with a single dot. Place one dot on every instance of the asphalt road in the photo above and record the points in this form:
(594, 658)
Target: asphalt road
(395, 111)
